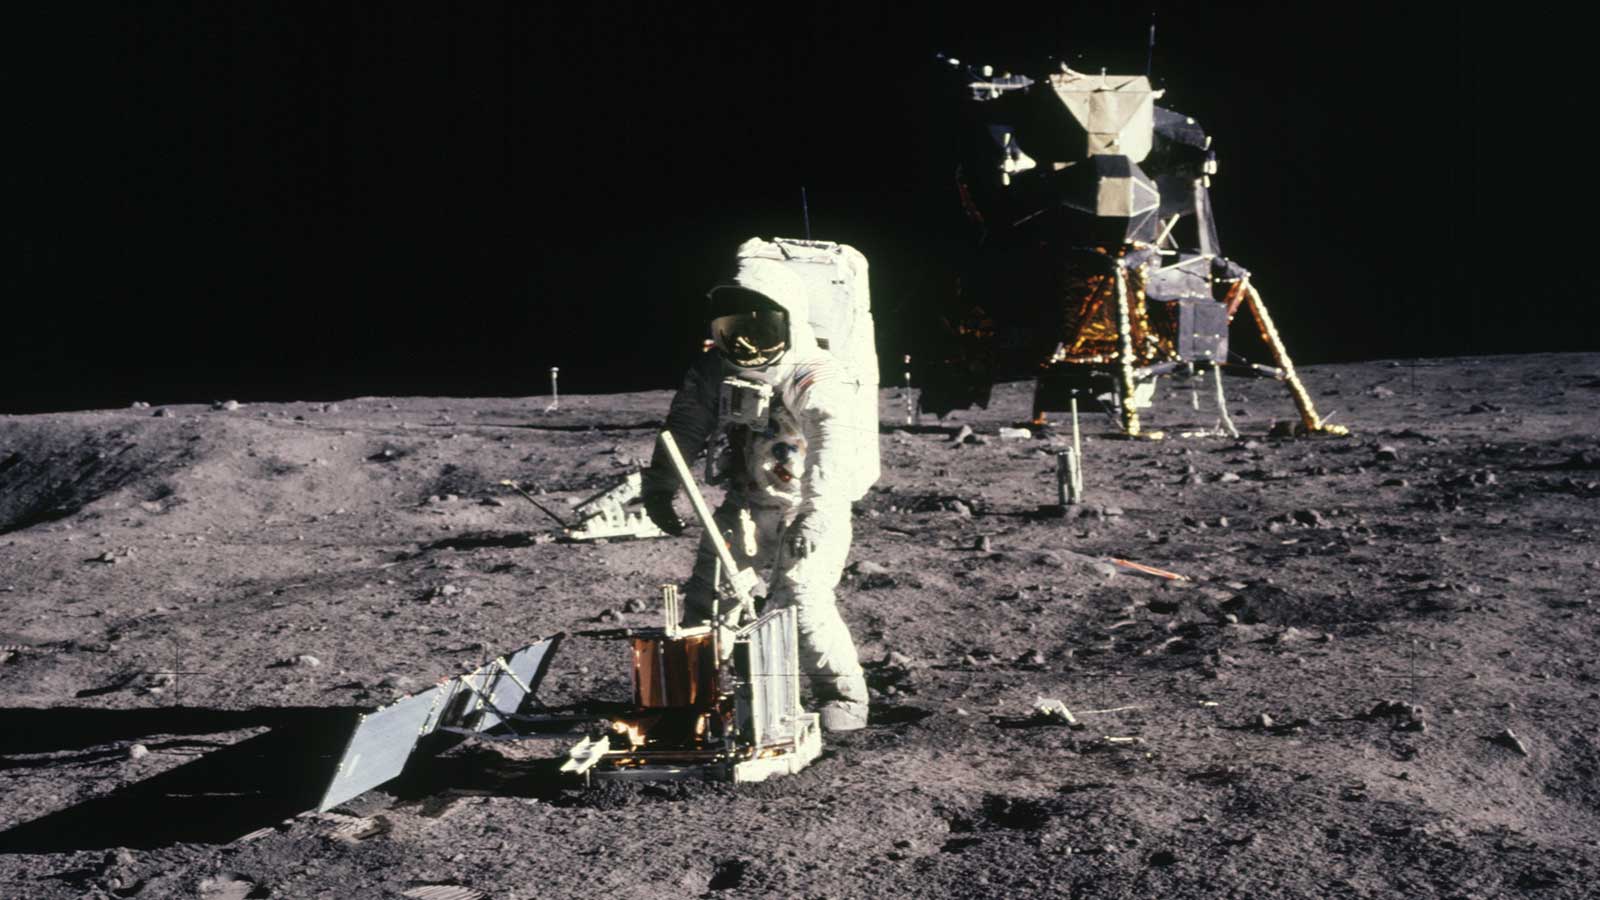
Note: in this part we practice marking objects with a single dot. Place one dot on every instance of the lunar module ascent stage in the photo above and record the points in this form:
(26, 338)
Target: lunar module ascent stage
(1096, 258)
(719, 700)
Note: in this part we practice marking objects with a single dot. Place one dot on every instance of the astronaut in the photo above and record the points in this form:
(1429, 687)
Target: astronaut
(789, 484)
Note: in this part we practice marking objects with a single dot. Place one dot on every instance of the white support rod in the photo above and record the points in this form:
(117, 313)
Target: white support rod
(730, 569)
(1167, 229)
(1077, 443)
(1125, 361)
(1222, 402)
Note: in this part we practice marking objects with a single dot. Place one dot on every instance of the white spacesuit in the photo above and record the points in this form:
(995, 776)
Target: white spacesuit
(789, 484)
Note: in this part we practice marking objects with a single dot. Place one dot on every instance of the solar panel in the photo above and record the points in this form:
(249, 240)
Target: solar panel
(531, 662)
(476, 700)
(384, 738)
(379, 746)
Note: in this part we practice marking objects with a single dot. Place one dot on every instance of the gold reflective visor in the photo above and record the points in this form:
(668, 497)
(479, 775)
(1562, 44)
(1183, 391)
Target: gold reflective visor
(751, 339)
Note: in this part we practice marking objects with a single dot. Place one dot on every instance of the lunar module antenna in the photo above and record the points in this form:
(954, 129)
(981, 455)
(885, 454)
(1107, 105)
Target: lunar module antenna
(1150, 51)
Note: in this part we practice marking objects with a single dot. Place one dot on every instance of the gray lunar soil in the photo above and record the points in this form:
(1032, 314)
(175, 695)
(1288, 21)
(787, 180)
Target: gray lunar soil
(1378, 681)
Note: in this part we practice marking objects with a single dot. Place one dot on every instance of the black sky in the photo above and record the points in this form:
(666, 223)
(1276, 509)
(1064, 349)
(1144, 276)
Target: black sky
(320, 200)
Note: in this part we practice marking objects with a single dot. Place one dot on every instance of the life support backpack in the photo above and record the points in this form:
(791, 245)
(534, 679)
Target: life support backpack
(835, 277)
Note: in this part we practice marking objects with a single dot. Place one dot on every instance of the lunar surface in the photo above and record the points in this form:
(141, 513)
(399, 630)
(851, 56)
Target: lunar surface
(1377, 678)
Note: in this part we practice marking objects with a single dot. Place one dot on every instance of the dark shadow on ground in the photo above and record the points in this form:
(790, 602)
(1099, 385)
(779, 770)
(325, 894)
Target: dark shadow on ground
(896, 715)
(481, 539)
(217, 798)
(597, 426)
(456, 767)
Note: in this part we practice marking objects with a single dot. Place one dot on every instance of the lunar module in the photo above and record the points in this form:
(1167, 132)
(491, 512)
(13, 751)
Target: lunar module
(1096, 256)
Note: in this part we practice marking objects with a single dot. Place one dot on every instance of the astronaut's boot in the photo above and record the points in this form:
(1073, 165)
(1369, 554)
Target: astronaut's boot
(841, 700)
(843, 715)
(829, 656)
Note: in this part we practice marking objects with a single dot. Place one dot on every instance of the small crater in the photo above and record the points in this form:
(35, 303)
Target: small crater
(729, 873)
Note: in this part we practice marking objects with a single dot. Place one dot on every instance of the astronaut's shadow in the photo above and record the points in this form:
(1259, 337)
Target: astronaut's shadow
(217, 797)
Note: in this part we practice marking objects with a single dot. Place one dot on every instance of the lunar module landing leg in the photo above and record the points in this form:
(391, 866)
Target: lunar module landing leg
(1313, 423)
(1120, 341)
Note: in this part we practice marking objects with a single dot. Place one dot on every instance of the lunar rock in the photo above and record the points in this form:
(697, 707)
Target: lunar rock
(1511, 741)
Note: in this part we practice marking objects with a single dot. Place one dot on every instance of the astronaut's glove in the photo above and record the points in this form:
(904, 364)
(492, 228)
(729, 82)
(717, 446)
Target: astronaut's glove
(659, 508)
(804, 535)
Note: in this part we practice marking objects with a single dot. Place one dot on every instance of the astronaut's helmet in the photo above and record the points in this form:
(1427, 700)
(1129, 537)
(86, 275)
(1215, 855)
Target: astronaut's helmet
(748, 328)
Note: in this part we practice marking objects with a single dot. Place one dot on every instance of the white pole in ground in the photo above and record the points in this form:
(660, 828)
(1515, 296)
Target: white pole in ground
(555, 396)
(1077, 445)
(911, 415)
(1069, 478)
(1069, 467)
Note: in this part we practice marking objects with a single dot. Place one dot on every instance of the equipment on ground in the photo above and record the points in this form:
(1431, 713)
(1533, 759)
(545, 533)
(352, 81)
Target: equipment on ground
(693, 718)
(485, 698)
(613, 514)
(718, 700)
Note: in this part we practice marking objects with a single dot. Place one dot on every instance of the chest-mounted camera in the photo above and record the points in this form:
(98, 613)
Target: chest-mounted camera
(745, 402)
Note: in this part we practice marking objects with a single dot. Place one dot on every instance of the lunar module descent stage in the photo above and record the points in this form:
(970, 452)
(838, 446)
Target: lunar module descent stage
(1097, 254)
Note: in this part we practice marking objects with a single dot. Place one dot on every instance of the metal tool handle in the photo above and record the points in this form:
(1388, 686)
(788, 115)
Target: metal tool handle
(529, 497)
(730, 568)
